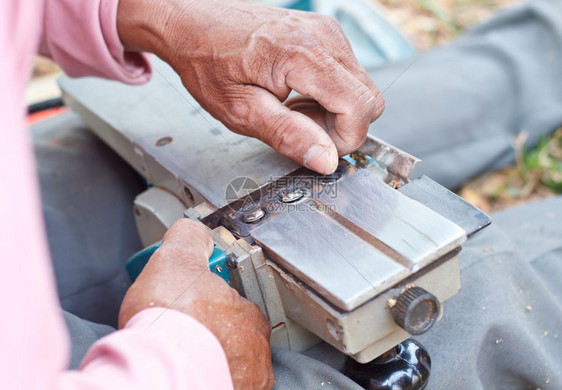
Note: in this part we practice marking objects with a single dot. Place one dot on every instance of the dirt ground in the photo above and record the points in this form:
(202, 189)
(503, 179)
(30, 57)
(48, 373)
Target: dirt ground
(429, 23)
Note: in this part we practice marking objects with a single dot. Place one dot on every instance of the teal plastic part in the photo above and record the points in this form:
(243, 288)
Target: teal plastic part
(352, 161)
(301, 5)
(217, 262)
(219, 266)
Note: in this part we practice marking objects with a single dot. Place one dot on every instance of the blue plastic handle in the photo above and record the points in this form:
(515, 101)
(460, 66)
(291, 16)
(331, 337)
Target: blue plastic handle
(217, 262)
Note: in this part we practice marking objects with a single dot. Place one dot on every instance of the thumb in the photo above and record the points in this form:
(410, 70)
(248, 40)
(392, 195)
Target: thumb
(187, 244)
(173, 268)
(289, 132)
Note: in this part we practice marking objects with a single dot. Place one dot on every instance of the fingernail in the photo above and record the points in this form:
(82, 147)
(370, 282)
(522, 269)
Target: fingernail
(320, 159)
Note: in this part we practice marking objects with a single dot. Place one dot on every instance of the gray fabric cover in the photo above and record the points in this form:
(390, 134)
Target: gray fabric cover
(504, 328)
(457, 108)
(87, 193)
(83, 333)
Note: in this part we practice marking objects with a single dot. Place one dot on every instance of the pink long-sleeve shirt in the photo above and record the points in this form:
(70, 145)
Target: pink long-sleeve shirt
(173, 352)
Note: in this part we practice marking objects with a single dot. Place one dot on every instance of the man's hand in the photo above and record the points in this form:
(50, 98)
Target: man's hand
(177, 277)
(241, 61)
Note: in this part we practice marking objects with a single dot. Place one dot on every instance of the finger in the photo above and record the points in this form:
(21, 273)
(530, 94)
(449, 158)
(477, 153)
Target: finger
(312, 109)
(317, 113)
(259, 114)
(337, 44)
(352, 65)
(330, 84)
(187, 242)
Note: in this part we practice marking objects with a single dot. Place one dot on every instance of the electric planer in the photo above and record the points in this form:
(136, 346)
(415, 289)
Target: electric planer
(362, 259)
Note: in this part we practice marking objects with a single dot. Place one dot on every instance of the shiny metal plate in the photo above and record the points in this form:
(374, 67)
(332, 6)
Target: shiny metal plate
(447, 203)
(356, 241)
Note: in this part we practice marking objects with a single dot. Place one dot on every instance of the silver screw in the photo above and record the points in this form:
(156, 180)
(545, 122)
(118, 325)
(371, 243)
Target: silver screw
(254, 216)
(292, 196)
(330, 179)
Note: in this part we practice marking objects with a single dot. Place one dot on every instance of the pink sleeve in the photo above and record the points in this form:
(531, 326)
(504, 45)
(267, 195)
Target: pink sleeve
(171, 350)
(158, 349)
(81, 36)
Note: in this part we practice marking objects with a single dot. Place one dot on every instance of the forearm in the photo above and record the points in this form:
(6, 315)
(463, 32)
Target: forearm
(155, 26)
(142, 24)
(169, 28)
(241, 60)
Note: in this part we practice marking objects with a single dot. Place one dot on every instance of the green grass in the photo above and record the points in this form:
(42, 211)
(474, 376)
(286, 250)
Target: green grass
(544, 162)
(441, 14)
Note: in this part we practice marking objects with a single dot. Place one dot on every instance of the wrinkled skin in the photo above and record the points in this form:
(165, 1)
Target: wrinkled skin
(178, 277)
(241, 61)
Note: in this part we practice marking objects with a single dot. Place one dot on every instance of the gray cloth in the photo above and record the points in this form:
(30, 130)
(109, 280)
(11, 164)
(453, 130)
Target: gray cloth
(87, 193)
(457, 108)
(504, 328)
(83, 333)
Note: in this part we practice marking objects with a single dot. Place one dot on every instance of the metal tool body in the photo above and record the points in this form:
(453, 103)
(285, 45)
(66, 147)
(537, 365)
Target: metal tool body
(345, 258)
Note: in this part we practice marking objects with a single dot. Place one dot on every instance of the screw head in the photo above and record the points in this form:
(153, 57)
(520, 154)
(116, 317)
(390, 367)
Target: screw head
(232, 260)
(291, 196)
(334, 177)
(254, 215)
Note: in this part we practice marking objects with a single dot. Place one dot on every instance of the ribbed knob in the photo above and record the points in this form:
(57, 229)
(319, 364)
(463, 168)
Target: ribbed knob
(416, 310)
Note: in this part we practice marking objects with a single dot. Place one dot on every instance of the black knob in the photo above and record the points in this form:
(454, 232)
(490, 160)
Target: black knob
(416, 310)
(406, 367)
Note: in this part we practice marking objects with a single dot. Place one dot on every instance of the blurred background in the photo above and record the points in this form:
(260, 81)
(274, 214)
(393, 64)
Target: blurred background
(426, 24)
